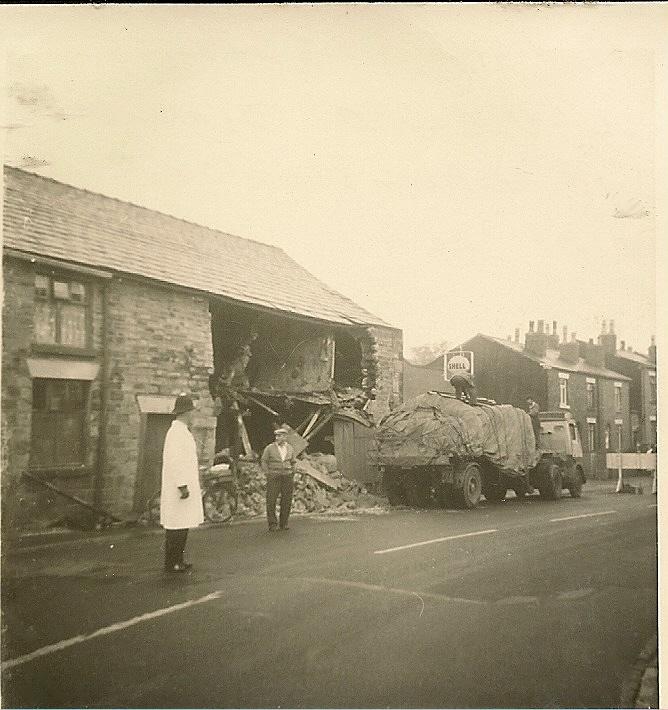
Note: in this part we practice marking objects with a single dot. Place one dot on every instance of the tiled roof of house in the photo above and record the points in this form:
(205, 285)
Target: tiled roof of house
(638, 358)
(52, 219)
(553, 360)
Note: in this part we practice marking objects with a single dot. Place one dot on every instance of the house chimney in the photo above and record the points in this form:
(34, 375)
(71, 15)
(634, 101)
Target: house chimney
(622, 345)
(536, 342)
(553, 337)
(608, 339)
(517, 335)
(592, 353)
(570, 351)
(564, 334)
(651, 351)
(604, 327)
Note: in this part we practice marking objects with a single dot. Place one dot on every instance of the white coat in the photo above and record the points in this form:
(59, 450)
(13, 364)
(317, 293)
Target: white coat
(179, 468)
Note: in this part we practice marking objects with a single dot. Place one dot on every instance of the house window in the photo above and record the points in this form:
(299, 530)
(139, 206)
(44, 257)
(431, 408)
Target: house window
(61, 312)
(652, 388)
(563, 391)
(591, 436)
(618, 396)
(59, 414)
(591, 395)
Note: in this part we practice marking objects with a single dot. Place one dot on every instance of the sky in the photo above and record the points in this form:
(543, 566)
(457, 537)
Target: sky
(454, 169)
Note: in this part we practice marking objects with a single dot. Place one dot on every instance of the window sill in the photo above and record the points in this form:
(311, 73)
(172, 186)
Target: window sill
(47, 349)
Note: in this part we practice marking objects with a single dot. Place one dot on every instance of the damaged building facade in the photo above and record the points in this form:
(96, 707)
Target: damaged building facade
(110, 310)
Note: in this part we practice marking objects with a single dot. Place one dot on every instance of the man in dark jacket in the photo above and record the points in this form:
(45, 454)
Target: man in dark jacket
(463, 384)
(278, 463)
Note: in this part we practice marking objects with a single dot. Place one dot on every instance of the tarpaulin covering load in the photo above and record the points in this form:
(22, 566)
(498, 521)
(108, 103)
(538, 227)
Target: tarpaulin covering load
(429, 429)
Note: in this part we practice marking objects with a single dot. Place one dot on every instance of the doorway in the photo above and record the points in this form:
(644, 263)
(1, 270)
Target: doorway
(154, 429)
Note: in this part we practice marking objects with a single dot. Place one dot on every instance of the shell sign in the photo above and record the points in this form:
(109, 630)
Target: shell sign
(458, 362)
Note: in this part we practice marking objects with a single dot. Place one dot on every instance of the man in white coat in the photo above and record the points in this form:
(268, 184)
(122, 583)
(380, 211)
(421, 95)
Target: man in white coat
(181, 496)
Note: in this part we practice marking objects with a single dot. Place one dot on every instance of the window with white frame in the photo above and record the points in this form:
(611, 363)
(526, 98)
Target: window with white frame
(563, 390)
(618, 396)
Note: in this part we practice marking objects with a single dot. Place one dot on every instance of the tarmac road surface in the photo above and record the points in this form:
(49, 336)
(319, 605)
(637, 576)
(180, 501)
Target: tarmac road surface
(526, 603)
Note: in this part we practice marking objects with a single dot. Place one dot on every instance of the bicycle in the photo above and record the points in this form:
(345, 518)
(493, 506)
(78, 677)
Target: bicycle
(219, 495)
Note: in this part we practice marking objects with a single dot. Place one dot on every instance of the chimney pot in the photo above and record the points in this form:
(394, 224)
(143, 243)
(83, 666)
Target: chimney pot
(531, 326)
(517, 335)
(564, 334)
(573, 338)
(540, 326)
(612, 327)
(604, 327)
(554, 327)
(591, 341)
(652, 340)
(623, 344)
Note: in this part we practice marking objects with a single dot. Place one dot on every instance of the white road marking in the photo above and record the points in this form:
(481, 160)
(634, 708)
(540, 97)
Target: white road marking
(431, 542)
(584, 515)
(391, 590)
(54, 647)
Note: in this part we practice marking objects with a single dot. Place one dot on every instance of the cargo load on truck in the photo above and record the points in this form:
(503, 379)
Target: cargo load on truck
(434, 427)
(438, 449)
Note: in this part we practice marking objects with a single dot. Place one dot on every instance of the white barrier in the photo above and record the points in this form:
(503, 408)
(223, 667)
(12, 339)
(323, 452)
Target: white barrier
(632, 461)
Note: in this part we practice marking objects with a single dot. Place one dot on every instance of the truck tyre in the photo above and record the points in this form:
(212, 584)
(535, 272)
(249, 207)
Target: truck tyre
(495, 493)
(469, 486)
(550, 482)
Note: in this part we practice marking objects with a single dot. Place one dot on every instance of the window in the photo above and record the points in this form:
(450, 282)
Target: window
(61, 312)
(571, 428)
(59, 410)
(591, 395)
(652, 388)
(563, 391)
(591, 436)
(618, 396)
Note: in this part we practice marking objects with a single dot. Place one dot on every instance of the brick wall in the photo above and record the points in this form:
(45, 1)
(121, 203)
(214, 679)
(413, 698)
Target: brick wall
(389, 380)
(159, 343)
(24, 503)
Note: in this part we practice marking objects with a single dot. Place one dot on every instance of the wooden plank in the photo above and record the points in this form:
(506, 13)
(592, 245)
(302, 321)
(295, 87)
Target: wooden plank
(244, 435)
(306, 467)
(298, 443)
(312, 422)
(319, 426)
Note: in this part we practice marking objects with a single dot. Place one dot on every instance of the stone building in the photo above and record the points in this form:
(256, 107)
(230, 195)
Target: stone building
(110, 310)
(559, 374)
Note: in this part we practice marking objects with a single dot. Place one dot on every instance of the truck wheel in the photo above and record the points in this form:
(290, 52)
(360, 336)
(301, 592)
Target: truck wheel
(551, 482)
(495, 493)
(469, 488)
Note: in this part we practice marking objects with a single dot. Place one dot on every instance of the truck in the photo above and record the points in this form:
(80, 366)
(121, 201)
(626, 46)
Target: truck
(438, 450)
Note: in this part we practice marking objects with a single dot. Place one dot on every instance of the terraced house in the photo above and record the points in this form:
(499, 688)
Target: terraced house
(110, 310)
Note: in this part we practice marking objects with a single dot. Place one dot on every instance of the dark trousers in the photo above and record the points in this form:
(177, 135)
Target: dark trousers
(175, 543)
(279, 486)
(535, 423)
(467, 390)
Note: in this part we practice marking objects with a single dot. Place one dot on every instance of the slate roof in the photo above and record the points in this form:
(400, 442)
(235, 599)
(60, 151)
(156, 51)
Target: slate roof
(553, 360)
(45, 217)
(635, 357)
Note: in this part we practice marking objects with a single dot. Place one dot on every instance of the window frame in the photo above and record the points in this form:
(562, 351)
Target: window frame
(58, 347)
(563, 391)
(72, 467)
(618, 397)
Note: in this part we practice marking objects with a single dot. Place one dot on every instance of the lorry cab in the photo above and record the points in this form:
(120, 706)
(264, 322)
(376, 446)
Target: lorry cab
(559, 434)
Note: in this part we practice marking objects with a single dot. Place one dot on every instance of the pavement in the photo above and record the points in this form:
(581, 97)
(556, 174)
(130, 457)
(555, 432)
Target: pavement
(638, 689)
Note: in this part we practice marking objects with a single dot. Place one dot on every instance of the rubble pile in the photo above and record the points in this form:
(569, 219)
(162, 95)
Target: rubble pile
(309, 496)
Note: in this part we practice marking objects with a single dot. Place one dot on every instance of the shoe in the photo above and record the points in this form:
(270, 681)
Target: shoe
(272, 528)
(284, 527)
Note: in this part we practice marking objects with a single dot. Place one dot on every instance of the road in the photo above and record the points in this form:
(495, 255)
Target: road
(526, 603)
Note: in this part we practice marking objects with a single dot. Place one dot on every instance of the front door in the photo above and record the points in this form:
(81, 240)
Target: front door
(149, 472)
